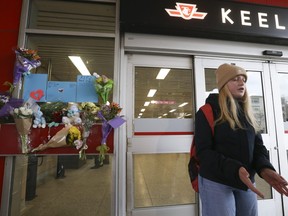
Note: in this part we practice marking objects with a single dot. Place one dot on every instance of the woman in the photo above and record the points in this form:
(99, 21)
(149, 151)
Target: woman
(230, 158)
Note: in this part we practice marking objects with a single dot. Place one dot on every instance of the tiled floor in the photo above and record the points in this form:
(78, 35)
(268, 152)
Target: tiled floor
(83, 191)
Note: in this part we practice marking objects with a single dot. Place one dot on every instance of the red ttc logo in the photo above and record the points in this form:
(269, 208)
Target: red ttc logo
(186, 11)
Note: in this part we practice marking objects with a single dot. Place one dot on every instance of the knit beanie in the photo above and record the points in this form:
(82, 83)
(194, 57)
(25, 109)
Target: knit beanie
(226, 72)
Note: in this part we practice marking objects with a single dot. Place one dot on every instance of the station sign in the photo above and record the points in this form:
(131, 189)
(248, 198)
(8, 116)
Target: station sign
(206, 18)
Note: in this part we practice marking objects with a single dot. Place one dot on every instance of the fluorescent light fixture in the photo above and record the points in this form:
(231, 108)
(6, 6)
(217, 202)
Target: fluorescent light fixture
(173, 110)
(147, 103)
(142, 110)
(140, 114)
(79, 64)
(165, 114)
(160, 117)
(183, 104)
(162, 73)
(151, 92)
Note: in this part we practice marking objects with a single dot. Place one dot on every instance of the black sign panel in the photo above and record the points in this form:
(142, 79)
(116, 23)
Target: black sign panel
(206, 18)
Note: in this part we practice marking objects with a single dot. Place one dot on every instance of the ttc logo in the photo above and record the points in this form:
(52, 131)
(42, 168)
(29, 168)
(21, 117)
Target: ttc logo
(186, 11)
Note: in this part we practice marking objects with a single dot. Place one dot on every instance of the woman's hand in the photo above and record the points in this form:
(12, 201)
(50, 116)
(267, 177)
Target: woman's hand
(275, 180)
(244, 177)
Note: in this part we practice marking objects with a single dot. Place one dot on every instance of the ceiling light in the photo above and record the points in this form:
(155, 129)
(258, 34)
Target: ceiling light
(140, 114)
(162, 73)
(79, 64)
(165, 114)
(151, 92)
(173, 110)
(183, 104)
(142, 110)
(146, 103)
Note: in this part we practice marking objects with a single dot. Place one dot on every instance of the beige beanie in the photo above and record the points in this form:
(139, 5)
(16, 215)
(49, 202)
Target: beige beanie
(226, 72)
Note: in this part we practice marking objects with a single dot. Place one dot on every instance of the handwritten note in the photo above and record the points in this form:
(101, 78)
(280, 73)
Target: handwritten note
(34, 83)
(85, 89)
(61, 91)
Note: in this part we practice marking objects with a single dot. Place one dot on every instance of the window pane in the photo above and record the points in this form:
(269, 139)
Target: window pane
(173, 97)
(283, 79)
(255, 90)
(96, 53)
(161, 180)
(72, 16)
(63, 185)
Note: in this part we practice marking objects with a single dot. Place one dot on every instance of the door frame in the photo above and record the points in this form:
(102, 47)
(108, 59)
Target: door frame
(164, 143)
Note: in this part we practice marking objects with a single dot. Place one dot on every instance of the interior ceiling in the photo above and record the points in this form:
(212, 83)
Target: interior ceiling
(67, 22)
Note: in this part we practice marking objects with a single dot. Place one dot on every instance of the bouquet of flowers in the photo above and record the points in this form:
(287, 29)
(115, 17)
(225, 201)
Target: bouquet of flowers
(53, 111)
(103, 86)
(23, 120)
(89, 116)
(109, 114)
(26, 59)
(7, 104)
(69, 136)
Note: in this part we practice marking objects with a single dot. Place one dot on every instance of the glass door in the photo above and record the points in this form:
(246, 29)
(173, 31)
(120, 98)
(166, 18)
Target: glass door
(160, 94)
(279, 77)
(265, 108)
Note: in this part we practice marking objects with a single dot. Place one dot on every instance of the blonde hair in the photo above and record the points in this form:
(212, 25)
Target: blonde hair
(229, 109)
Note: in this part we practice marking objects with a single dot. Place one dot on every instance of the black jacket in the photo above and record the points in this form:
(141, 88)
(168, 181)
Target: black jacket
(223, 154)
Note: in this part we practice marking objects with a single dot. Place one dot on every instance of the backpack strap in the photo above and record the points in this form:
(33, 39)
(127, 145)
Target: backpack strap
(208, 112)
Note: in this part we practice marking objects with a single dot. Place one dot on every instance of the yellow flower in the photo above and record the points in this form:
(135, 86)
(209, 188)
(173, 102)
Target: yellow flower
(73, 135)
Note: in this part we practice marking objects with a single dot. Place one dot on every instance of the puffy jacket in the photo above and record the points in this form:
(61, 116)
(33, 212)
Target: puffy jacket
(223, 154)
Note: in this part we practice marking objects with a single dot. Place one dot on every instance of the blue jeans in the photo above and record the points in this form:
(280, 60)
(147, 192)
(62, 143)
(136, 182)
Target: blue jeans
(222, 200)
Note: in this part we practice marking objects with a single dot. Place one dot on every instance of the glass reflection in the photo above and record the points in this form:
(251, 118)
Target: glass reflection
(172, 96)
(283, 80)
(161, 180)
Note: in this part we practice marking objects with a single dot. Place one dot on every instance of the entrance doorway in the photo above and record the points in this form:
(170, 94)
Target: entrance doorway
(160, 129)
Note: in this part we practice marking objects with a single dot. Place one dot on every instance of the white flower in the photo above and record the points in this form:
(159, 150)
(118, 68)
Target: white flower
(96, 75)
(23, 112)
(16, 111)
(78, 144)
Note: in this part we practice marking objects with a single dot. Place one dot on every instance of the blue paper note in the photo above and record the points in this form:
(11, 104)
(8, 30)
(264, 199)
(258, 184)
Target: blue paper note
(61, 91)
(85, 89)
(33, 83)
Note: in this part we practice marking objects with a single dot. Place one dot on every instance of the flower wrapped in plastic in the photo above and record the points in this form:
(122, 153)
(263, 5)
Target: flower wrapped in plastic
(103, 86)
(109, 114)
(69, 136)
(26, 59)
(89, 117)
(7, 104)
(23, 119)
